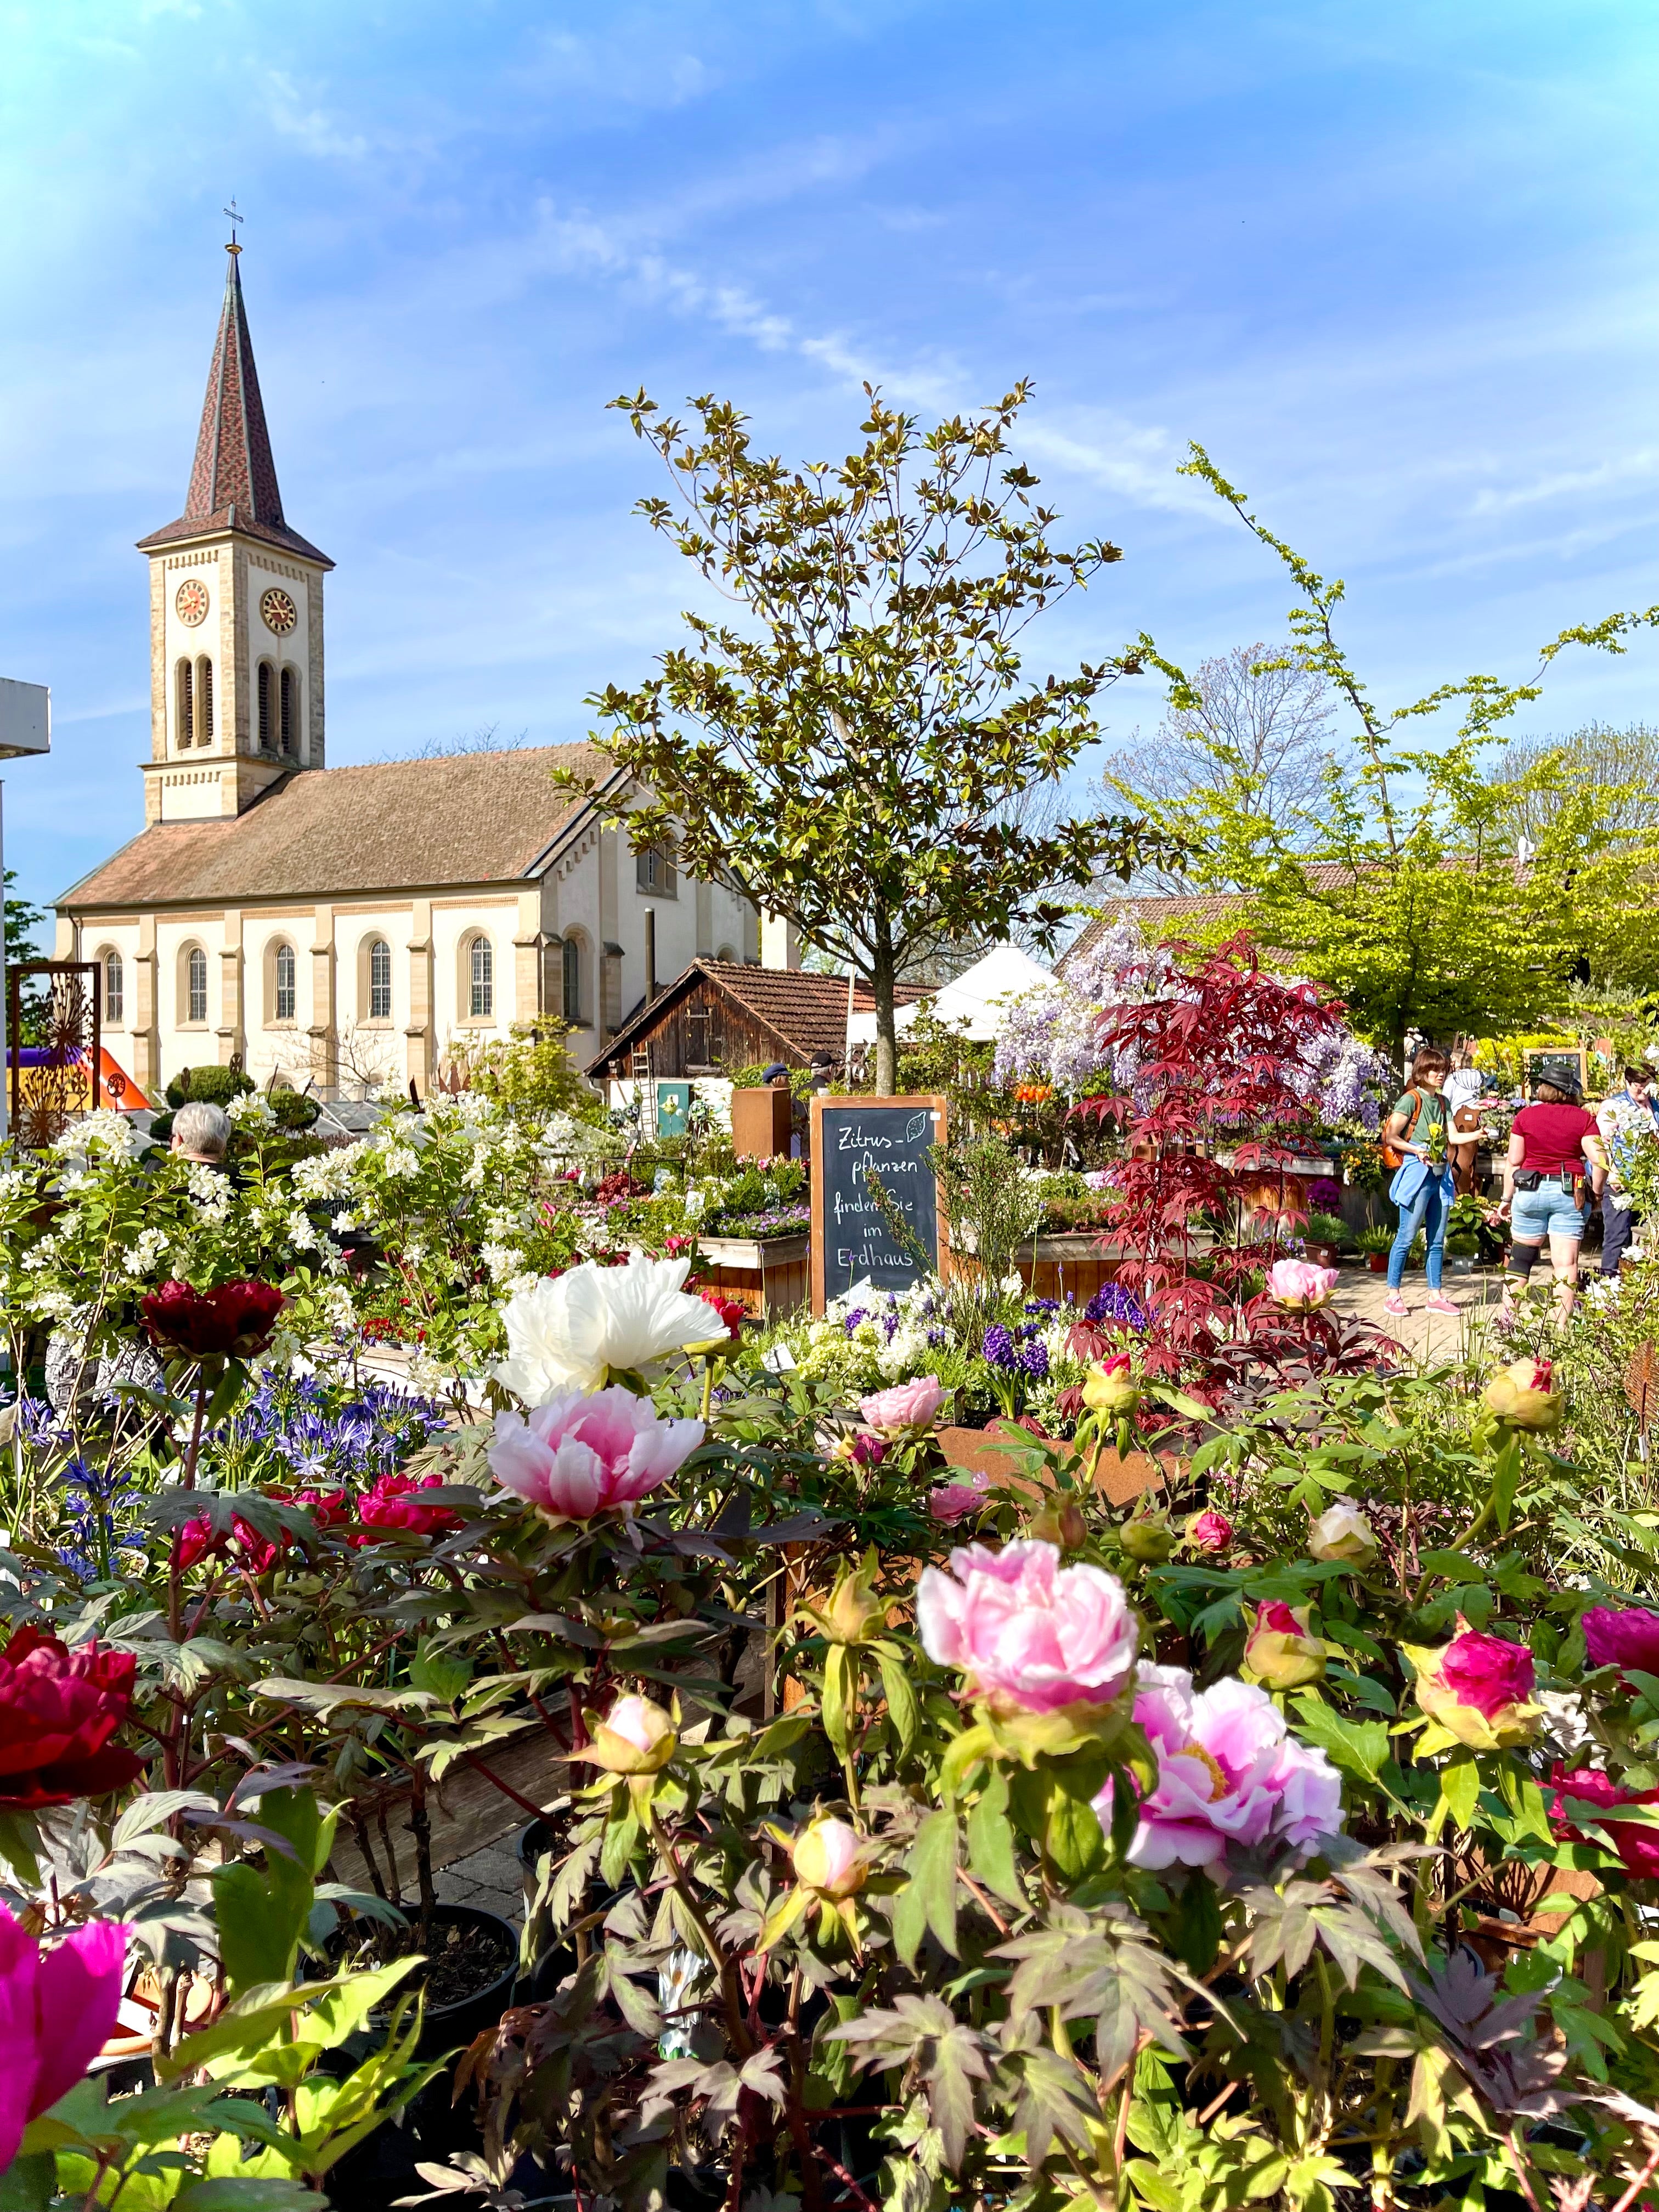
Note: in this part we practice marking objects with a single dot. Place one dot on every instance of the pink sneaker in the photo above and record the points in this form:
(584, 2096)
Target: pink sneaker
(1394, 1304)
(1438, 1303)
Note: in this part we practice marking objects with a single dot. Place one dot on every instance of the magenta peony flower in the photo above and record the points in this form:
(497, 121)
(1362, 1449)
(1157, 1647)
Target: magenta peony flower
(585, 1454)
(1210, 1531)
(1028, 1632)
(1637, 1846)
(1627, 1638)
(1299, 1287)
(1279, 1651)
(913, 1405)
(954, 1501)
(393, 1506)
(1479, 1688)
(1229, 1772)
(58, 2009)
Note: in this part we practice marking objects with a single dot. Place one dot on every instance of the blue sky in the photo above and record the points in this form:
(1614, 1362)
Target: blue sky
(1392, 265)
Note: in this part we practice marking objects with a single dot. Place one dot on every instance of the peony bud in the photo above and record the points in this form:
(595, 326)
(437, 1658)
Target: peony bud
(853, 1607)
(1342, 1532)
(1278, 1651)
(1148, 1538)
(830, 1857)
(1522, 1397)
(1112, 1389)
(1479, 1689)
(1060, 1521)
(1210, 1531)
(635, 1737)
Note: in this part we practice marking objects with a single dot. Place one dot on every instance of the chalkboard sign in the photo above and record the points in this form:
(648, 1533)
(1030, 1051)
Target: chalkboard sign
(1566, 1068)
(851, 1242)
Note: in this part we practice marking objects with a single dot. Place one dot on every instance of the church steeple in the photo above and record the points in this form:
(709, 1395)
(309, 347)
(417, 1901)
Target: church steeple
(233, 482)
(236, 610)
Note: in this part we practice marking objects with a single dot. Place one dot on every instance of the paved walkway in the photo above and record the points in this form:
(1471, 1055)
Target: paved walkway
(1430, 1337)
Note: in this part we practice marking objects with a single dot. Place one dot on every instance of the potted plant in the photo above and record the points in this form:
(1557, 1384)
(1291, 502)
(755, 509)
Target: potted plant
(1376, 1244)
(1323, 1235)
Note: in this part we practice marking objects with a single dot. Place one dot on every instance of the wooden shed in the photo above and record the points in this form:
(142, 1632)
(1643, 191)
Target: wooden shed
(721, 1015)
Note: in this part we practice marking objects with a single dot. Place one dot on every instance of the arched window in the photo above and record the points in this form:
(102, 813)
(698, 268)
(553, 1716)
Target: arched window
(481, 980)
(726, 953)
(115, 993)
(290, 713)
(204, 702)
(283, 994)
(186, 706)
(196, 985)
(380, 980)
(572, 958)
(263, 686)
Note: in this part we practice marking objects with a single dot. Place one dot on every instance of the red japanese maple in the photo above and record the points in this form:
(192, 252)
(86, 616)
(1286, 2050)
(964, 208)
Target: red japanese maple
(1216, 1061)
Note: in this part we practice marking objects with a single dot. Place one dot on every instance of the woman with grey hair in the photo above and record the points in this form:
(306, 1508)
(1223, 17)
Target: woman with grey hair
(202, 1131)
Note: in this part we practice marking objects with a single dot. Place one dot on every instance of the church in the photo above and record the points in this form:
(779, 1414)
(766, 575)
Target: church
(346, 928)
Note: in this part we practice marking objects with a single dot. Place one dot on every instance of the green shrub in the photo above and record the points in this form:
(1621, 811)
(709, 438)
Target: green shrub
(214, 1084)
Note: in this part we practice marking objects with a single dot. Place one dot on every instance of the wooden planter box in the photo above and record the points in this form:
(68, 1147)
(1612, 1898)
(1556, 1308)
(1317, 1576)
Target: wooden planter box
(770, 1276)
(1119, 1481)
(1074, 1266)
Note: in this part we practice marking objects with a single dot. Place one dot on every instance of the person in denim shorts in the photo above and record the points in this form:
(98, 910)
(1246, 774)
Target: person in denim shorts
(1556, 1156)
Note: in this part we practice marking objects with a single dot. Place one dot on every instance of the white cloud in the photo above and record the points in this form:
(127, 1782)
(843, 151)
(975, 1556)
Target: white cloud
(307, 125)
(1631, 470)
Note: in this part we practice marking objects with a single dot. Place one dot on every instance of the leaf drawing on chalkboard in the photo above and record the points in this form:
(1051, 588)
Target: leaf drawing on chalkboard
(914, 1127)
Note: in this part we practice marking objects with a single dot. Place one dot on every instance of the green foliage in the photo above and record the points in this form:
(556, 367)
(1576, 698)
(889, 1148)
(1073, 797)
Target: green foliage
(859, 756)
(1402, 885)
(532, 1075)
(212, 1082)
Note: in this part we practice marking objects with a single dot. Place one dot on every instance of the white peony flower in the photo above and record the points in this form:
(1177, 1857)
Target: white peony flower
(574, 1333)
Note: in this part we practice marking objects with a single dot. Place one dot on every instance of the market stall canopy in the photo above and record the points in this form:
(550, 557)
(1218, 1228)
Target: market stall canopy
(975, 1003)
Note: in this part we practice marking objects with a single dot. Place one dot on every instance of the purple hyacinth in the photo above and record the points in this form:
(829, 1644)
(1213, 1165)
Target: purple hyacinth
(998, 1345)
(1034, 1360)
(1112, 1303)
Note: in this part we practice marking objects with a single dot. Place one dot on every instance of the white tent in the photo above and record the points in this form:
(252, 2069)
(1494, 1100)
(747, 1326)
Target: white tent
(975, 1003)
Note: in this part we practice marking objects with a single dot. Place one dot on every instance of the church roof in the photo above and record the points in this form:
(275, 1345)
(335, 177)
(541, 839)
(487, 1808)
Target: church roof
(233, 483)
(471, 818)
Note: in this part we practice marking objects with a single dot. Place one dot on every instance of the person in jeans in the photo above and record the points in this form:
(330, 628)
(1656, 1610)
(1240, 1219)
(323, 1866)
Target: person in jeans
(1556, 1156)
(1418, 1127)
(1627, 1114)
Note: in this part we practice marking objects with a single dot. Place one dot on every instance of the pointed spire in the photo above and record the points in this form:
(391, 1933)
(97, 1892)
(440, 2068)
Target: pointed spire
(233, 483)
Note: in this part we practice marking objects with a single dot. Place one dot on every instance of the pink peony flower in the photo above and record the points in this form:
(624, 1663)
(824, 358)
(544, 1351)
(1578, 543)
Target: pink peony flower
(1032, 1634)
(1479, 1688)
(1229, 1772)
(1622, 1638)
(1299, 1287)
(1211, 1531)
(954, 1501)
(636, 1736)
(912, 1405)
(58, 2008)
(1637, 1846)
(585, 1454)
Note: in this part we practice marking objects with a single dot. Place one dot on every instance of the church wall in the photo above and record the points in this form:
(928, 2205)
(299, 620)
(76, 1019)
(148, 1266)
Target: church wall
(455, 924)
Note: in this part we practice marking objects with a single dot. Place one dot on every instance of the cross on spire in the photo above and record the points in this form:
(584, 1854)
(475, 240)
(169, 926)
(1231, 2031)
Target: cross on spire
(231, 246)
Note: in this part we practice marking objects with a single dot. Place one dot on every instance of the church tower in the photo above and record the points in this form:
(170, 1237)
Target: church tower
(236, 610)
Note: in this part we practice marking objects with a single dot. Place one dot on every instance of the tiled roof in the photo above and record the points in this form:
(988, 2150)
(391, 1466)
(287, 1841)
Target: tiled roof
(806, 1012)
(406, 825)
(233, 484)
(1158, 917)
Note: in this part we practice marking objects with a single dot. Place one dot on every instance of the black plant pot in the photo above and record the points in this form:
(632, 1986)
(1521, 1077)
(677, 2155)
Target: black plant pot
(382, 2168)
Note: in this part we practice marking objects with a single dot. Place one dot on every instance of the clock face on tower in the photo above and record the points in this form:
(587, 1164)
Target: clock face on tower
(278, 612)
(191, 601)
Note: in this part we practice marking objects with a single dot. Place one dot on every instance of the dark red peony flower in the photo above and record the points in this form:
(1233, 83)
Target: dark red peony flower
(732, 1312)
(59, 1709)
(328, 1509)
(235, 1320)
(1622, 1637)
(392, 1506)
(196, 1539)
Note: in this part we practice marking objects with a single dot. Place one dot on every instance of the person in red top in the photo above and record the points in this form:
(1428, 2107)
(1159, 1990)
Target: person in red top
(1556, 1156)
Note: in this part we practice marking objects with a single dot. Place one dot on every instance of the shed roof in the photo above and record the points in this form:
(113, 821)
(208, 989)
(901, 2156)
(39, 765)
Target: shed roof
(803, 1012)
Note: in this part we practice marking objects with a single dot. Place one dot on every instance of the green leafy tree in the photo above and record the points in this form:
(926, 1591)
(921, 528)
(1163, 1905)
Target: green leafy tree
(24, 920)
(857, 750)
(1405, 883)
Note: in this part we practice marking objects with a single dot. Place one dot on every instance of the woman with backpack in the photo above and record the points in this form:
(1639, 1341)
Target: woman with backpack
(1556, 1154)
(1416, 1143)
